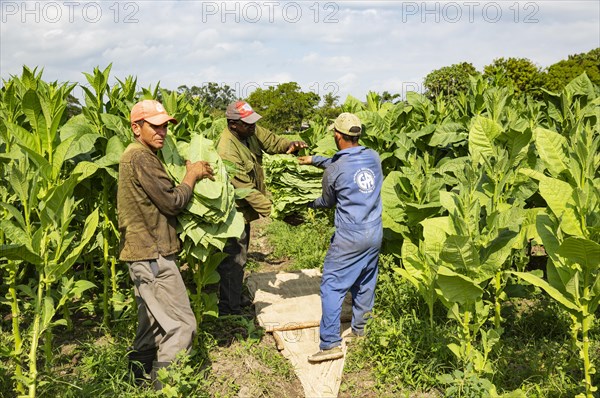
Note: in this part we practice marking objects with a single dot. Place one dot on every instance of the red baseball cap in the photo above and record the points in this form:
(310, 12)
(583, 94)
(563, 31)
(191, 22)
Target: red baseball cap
(241, 110)
(150, 111)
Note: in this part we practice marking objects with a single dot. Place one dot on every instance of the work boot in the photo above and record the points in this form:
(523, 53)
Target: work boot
(140, 364)
(246, 301)
(355, 336)
(156, 366)
(327, 355)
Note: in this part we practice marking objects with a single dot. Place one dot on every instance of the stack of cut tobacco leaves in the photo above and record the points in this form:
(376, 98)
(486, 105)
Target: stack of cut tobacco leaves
(291, 184)
(210, 217)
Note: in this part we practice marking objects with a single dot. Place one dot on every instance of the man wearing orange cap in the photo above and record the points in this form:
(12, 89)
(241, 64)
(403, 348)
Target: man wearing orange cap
(243, 143)
(147, 205)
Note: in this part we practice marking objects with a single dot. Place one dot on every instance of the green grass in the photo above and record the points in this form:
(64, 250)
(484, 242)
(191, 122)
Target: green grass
(305, 244)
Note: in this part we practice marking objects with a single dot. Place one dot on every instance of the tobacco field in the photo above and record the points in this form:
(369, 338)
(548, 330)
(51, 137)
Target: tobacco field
(490, 269)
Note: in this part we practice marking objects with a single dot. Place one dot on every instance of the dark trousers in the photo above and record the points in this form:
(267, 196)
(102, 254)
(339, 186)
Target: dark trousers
(231, 271)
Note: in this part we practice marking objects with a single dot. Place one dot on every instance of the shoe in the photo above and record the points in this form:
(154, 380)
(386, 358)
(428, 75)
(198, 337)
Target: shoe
(354, 336)
(156, 366)
(246, 302)
(140, 365)
(327, 355)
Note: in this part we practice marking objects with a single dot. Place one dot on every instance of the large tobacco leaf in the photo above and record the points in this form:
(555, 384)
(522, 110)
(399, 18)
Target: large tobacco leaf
(291, 184)
(210, 217)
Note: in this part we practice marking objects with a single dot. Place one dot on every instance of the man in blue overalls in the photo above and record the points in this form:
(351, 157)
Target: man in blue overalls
(352, 183)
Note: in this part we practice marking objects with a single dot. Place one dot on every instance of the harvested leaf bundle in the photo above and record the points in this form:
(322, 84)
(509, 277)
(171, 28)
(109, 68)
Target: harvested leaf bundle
(210, 217)
(292, 185)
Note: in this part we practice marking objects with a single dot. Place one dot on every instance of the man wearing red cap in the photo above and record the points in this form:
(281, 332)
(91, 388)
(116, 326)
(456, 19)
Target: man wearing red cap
(243, 143)
(147, 204)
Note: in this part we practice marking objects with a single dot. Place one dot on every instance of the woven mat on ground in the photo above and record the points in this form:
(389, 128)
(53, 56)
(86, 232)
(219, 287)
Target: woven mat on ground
(289, 300)
(318, 379)
(288, 305)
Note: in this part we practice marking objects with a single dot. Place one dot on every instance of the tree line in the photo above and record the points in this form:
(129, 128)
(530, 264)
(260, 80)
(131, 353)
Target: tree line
(285, 107)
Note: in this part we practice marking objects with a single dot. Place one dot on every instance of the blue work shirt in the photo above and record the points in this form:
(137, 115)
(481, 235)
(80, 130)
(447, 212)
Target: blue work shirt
(352, 182)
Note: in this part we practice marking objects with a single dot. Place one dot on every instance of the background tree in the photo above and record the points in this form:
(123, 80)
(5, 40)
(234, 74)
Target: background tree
(386, 96)
(449, 80)
(73, 106)
(284, 107)
(562, 72)
(330, 108)
(519, 73)
(215, 96)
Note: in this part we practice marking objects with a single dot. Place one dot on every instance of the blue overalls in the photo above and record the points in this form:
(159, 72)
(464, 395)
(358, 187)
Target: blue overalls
(352, 183)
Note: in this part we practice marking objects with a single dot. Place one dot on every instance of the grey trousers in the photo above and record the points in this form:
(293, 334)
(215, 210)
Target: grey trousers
(165, 318)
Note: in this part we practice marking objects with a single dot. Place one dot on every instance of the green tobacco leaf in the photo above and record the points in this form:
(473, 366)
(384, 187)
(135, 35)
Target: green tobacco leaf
(210, 304)
(13, 211)
(416, 212)
(520, 143)
(20, 252)
(414, 266)
(565, 279)
(447, 134)
(418, 101)
(581, 251)
(115, 123)
(551, 147)
(83, 143)
(559, 196)
(391, 195)
(595, 293)
(59, 156)
(48, 312)
(292, 185)
(91, 223)
(57, 197)
(23, 137)
(551, 290)
(435, 232)
(482, 133)
(81, 286)
(581, 85)
(546, 228)
(15, 234)
(77, 125)
(85, 170)
(201, 148)
(496, 253)
(113, 153)
(536, 175)
(460, 254)
(353, 105)
(448, 201)
(413, 276)
(41, 162)
(210, 278)
(33, 111)
(457, 288)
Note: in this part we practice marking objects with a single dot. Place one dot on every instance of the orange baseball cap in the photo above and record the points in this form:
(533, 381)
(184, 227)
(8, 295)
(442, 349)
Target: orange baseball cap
(152, 112)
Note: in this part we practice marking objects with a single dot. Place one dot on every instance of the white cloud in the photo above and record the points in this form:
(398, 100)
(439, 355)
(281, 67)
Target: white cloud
(349, 46)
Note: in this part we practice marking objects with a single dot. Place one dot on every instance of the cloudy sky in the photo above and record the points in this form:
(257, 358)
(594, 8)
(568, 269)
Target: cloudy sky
(340, 47)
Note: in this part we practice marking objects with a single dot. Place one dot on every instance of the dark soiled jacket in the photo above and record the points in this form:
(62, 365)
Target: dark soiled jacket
(147, 205)
(248, 163)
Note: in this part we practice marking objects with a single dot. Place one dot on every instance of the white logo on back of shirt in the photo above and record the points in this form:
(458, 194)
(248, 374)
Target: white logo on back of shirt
(365, 179)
